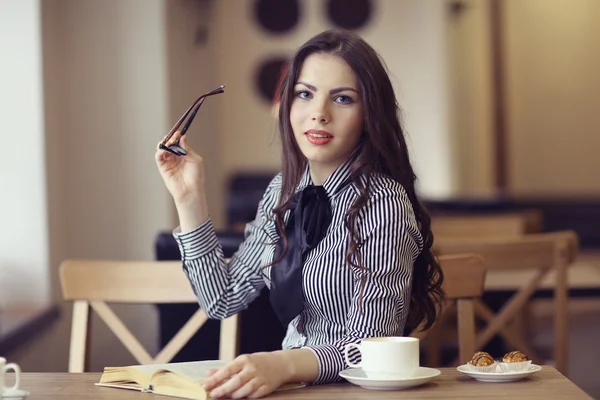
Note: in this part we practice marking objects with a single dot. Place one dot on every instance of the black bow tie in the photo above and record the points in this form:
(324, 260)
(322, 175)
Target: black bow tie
(309, 219)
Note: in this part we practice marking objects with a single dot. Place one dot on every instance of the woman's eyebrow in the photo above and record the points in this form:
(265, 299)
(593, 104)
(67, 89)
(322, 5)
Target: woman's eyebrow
(332, 91)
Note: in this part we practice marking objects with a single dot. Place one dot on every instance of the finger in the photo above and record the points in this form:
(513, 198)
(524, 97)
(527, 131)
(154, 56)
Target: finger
(161, 156)
(174, 138)
(248, 389)
(262, 391)
(230, 386)
(222, 374)
(183, 143)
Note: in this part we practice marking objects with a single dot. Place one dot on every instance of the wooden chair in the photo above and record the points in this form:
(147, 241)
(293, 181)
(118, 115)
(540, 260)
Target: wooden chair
(94, 283)
(485, 224)
(464, 277)
(540, 254)
(515, 223)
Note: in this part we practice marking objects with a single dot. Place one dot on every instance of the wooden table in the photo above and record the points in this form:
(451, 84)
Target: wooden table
(548, 383)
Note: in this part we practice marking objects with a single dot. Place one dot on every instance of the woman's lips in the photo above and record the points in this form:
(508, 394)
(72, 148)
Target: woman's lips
(318, 138)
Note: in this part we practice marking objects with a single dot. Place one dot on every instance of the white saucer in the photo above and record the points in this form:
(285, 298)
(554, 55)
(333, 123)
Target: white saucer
(13, 394)
(499, 376)
(358, 377)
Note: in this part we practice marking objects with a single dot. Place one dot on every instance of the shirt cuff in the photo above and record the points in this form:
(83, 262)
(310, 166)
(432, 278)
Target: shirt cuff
(331, 363)
(198, 242)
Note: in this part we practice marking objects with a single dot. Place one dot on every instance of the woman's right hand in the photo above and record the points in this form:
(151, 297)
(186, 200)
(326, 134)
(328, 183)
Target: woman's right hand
(183, 175)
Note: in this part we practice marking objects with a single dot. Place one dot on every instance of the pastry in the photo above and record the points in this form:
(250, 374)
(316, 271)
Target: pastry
(481, 359)
(515, 361)
(514, 356)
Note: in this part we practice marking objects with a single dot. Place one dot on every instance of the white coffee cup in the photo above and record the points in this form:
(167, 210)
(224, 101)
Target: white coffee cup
(4, 368)
(386, 357)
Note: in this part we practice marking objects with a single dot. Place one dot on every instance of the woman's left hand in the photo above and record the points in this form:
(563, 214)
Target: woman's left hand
(250, 375)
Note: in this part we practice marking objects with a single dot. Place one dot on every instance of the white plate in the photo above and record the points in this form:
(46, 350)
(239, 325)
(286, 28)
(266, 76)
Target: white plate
(358, 377)
(13, 394)
(499, 376)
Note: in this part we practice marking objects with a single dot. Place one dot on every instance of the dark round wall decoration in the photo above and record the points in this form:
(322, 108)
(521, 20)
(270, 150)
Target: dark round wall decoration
(277, 16)
(268, 75)
(349, 14)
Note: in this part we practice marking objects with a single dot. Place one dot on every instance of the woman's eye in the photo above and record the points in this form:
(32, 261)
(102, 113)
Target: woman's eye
(303, 94)
(344, 99)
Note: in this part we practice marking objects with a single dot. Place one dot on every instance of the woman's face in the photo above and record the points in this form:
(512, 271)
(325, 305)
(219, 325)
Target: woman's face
(327, 113)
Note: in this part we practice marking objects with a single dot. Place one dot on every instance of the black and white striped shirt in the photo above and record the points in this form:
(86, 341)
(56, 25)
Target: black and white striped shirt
(332, 316)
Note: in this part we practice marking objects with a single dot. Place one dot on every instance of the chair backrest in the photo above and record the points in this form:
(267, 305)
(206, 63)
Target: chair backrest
(94, 283)
(489, 224)
(539, 254)
(514, 252)
(464, 277)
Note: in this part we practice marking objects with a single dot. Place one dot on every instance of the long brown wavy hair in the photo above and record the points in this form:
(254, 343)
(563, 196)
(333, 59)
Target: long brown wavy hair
(382, 150)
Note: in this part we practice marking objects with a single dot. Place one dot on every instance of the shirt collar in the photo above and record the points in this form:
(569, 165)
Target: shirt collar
(333, 183)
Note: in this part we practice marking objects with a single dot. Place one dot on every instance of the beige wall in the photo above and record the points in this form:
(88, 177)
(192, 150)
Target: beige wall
(24, 234)
(553, 96)
(192, 70)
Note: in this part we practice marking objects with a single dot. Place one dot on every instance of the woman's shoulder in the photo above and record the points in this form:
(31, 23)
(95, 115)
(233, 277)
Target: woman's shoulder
(388, 200)
(275, 183)
(273, 189)
(384, 187)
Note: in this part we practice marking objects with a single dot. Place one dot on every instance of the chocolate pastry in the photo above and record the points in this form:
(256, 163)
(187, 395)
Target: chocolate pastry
(481, 359)
(514, 356)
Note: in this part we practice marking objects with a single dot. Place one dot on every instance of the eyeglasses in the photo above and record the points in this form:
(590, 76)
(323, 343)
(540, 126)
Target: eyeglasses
(191, 113)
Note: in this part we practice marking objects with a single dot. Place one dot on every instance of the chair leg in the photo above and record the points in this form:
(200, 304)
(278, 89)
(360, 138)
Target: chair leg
(521, 324)
(561, 320)
(79, 332)
(229, 340)
(434, 337)
(434, 346)
(466, 330)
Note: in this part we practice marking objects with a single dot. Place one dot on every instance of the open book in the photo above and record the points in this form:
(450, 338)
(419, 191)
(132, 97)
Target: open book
(182, 380)
(175, 379)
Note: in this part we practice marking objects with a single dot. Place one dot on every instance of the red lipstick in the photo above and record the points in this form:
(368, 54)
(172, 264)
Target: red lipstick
(318, 137)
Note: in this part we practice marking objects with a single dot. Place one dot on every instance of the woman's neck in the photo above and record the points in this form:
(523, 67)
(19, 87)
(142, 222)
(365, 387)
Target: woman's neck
(319, 172)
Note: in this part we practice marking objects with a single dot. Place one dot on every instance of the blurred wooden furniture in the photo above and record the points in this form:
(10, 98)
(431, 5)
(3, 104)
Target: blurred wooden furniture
(477, 225)
(583, 278)
(486, 224)
(540, 253)
(464, 277)
(451, 384)
(94, 283)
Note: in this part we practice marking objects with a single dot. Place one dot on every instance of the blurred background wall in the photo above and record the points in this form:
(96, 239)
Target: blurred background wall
(88, 88)
(551, 59)
(24, 234)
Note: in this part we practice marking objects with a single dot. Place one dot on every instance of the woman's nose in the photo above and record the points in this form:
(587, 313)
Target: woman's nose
(321, 114)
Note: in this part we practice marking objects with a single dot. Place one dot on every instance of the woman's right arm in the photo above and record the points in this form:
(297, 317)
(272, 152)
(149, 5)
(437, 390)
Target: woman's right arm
(223, 288)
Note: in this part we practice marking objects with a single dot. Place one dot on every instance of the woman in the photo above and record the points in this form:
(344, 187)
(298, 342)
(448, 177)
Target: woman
(339, 236)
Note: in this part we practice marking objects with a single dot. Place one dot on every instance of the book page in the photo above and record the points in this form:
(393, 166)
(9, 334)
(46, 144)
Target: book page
(194, 371)
(130, 386)
(125, 375)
